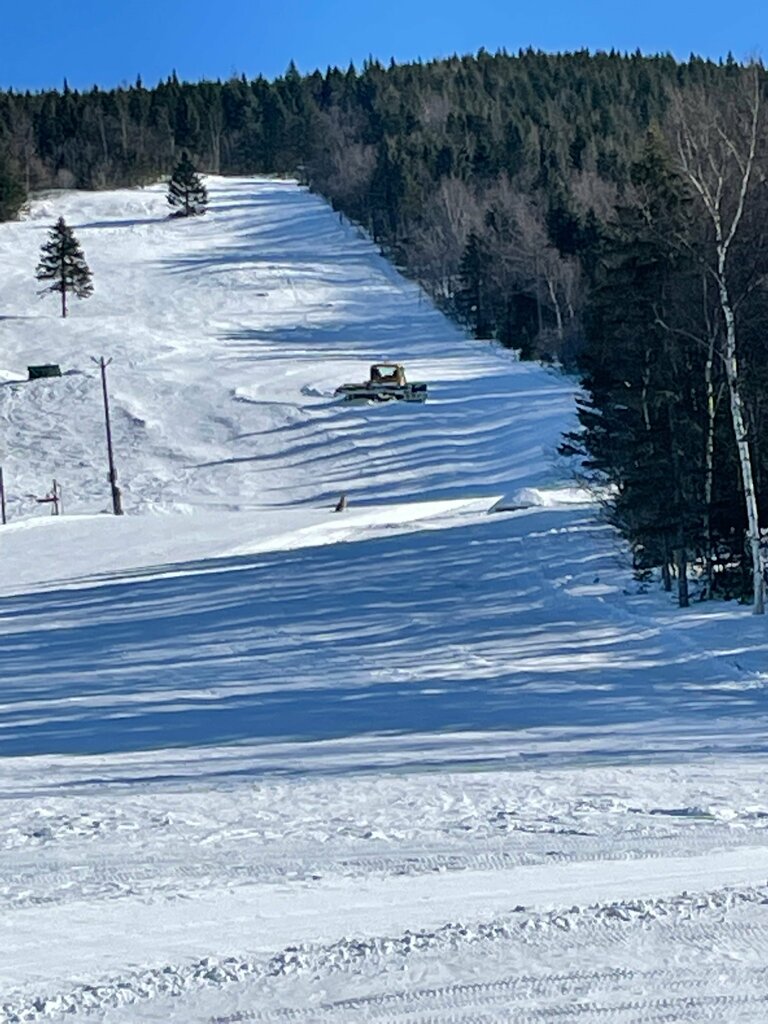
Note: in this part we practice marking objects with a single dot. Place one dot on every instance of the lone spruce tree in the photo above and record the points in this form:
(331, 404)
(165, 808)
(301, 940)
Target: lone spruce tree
(63, 264)
(186, 191)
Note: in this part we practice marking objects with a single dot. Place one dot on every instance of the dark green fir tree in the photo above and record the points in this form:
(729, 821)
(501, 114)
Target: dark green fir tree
(472, 299)
(12, 195)
(63, 265)
(186, 192)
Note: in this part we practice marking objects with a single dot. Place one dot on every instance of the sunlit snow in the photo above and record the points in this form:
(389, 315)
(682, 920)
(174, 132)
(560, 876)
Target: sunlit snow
(434, 758)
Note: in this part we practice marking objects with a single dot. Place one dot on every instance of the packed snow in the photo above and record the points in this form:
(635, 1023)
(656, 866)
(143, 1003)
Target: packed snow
(434, 758)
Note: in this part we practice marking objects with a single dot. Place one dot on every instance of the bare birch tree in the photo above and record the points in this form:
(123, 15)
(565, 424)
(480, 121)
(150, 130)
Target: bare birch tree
(717, 149)
(527, 262)
(451, 212)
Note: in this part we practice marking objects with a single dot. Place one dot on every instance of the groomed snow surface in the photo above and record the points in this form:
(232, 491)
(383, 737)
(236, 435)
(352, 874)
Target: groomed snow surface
(412, 762)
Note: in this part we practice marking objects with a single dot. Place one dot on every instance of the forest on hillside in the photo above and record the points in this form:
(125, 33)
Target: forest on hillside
(602, 210)
(486, 177)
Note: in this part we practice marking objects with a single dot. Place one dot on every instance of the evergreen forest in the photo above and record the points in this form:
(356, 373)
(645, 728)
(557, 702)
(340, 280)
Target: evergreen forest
(604, 210)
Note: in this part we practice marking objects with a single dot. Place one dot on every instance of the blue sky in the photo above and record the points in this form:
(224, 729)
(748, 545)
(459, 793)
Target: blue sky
(107, 42)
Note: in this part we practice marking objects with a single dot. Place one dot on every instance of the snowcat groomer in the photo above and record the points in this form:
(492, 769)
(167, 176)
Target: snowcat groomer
(386, 382)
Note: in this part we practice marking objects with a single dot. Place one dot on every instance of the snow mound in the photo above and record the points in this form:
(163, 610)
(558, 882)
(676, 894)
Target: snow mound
(541, 497)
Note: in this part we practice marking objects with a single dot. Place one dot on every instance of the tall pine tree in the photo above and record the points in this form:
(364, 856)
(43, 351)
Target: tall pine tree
(472, 299)
(12, 194)
(62, 263)
(642, 415)
(186, 192)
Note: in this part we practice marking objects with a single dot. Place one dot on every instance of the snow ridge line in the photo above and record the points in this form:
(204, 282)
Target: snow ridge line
(213, 971)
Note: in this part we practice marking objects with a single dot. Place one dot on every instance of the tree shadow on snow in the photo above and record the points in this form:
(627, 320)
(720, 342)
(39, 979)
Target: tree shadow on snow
(434, 632)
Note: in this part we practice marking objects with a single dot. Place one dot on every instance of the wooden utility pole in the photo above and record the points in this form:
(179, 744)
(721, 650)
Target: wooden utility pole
(117, 506)
(2, 496)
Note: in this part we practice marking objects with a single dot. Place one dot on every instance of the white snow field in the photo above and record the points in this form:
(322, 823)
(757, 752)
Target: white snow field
(412, 762)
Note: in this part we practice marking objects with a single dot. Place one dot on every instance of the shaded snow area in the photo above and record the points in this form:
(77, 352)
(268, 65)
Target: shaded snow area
(412, 762)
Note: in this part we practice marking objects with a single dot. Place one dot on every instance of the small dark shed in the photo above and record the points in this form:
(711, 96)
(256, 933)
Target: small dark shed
(44, 370)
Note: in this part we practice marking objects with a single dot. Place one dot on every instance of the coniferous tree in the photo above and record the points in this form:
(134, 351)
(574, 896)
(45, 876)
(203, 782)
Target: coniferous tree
(472, 299)
(186, 191)
(642, 414)
(12, 193)
(62, 263)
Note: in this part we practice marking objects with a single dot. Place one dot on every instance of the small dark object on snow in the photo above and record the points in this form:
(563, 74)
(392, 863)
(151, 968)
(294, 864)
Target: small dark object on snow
(341, 504)
(53, 498)
(44, 370)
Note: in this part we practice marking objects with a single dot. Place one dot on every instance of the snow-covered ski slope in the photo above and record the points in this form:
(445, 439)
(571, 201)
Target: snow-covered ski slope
(229, 334)
(411, 762)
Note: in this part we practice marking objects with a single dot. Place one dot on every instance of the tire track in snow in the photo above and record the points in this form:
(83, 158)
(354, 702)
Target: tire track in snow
(621, 920)
(440, 1006)
(22, 887)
